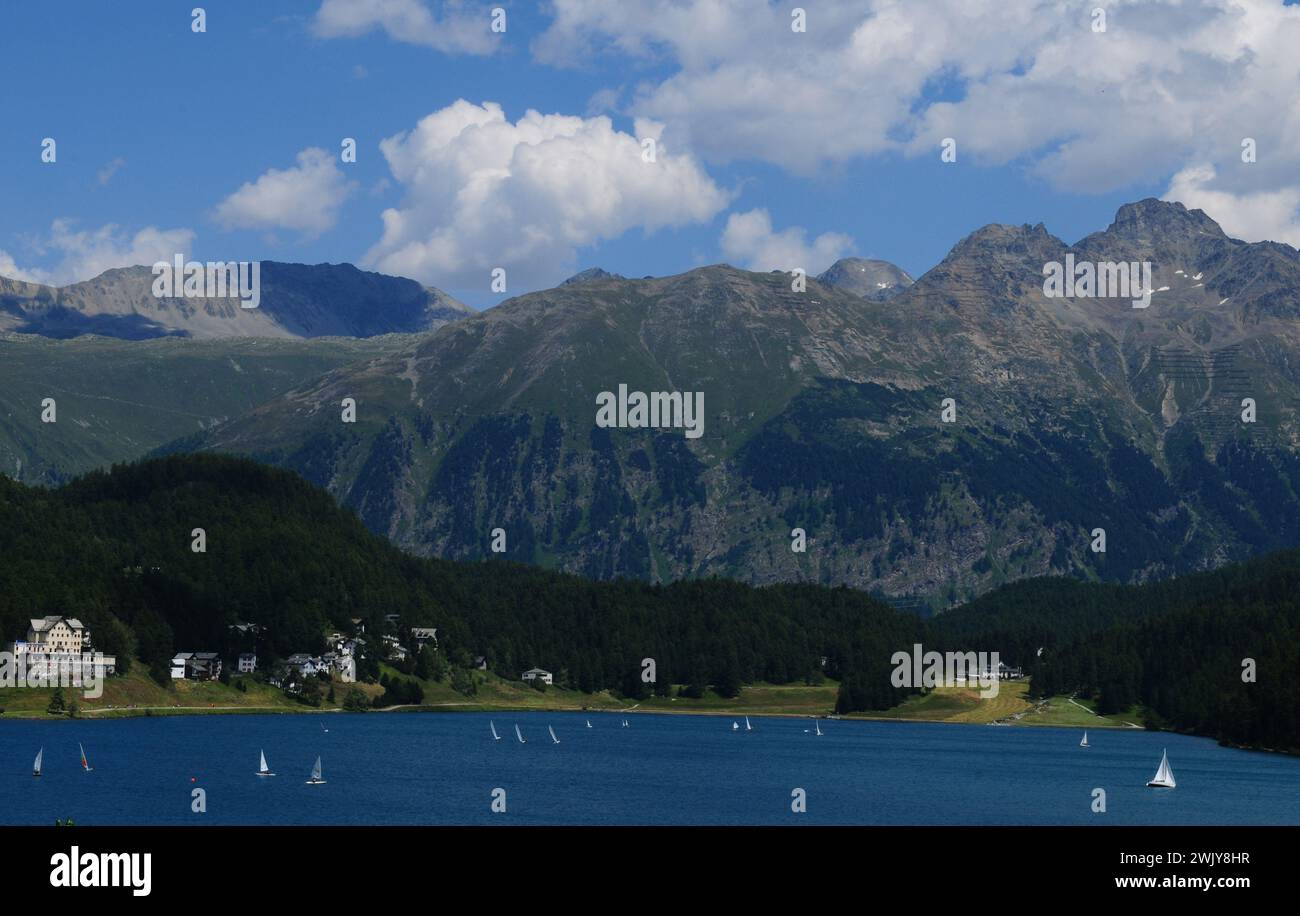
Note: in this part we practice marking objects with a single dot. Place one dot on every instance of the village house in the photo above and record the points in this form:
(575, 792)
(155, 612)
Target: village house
(423, 635)
(196, 666)
(537, 674)
(342, 665)
(247, 662)
(303, 663)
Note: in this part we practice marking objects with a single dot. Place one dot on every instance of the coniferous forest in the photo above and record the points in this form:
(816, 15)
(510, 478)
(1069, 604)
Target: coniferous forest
(115, 549)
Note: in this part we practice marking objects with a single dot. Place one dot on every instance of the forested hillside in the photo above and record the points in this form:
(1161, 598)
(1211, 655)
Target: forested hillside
(115, 549)
(1182, 648)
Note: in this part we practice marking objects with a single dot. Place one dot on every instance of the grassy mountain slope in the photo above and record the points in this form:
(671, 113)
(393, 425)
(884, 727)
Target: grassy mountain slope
(117, 400)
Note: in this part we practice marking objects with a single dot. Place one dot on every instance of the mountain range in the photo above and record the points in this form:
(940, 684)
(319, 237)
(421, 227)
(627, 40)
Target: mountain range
(297, 301)
(932, 439)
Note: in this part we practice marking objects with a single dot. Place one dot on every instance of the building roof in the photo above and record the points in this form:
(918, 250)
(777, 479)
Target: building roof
(42, 624)
(537, 671)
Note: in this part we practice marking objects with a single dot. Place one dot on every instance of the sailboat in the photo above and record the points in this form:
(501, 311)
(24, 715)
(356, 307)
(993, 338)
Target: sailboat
(36, 767)
(552, 731)
(324, 729)
(519, 734)
(748, 727)
(625, 723)
(263, 769)
(1084, 742)
(493, 726)
(588, 723)
(85, 764)
(819, 727)
(1164, 778)
(316, 775)
(735, 726)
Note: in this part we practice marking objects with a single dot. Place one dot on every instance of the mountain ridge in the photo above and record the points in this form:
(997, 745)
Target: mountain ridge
(297, 301)
(823, 411)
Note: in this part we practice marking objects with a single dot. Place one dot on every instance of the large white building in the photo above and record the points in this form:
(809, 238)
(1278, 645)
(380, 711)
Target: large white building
(56, 641)
(537, 674)
(63, 635)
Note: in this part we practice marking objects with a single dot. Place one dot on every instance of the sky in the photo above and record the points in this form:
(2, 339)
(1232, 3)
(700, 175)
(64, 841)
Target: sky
(527, 148)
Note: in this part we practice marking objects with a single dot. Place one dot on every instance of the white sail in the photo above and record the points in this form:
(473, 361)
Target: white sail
(85, 761)
(36, 767)
(519, 734)
(552, 731)
(819, 726)
(748, 727)
(1084, 742)
(315, 774)
(493, 726)
(735, 726)
(1164, 778)
(263, 769)
(588, 723)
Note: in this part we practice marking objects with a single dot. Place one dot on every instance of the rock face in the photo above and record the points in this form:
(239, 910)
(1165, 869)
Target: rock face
(970, 431)
(866, 277)
(591, 273)
(298, 300)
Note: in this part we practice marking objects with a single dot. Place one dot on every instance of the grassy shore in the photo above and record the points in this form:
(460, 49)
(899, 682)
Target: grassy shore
(136, 694)
(1011, 706)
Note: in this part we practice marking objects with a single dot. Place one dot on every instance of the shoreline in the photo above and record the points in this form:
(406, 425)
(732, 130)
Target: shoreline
(196, 711)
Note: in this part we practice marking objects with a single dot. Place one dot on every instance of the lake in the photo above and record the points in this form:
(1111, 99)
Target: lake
(428, 768)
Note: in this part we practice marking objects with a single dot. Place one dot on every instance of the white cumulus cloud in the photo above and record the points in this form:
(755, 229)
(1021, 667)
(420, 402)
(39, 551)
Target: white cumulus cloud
(81, 254)
(457, 27)
(306, 197)
(482, 192)
(749, 240)
(1259, 215)
(1167, 85)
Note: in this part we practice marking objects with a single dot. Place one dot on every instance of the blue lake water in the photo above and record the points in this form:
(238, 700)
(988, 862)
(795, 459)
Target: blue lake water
(424, 768)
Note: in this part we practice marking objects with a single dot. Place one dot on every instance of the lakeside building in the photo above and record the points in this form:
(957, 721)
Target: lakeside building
(196, 666)
(342, 665)
(57, 643)
(395, 649)
(247, 662)
(423, 635)
(537, 674)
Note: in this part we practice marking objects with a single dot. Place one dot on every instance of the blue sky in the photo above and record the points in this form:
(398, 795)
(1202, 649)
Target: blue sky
(833, 132)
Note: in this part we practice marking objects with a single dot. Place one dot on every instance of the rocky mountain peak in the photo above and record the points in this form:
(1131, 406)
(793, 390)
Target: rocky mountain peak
(867, 277)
